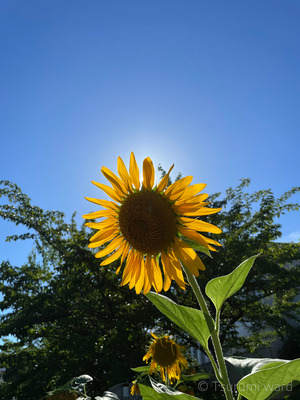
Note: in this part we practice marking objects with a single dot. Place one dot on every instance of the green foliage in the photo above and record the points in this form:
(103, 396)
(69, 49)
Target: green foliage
(67, 315)
(186, 318)
(268, 381)
(221, 288)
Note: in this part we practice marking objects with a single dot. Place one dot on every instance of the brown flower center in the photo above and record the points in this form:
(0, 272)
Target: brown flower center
(165, 352)
(147, 221)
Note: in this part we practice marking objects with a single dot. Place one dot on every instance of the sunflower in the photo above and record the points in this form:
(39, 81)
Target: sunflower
(145, 223)
(166, 357)
(135, 388)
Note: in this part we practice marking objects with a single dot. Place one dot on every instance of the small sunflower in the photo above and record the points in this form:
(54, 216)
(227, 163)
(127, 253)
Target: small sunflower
(166, 357)
(135, 388)
(145, 223)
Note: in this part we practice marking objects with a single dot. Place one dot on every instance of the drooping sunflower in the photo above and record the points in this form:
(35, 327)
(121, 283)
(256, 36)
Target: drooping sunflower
(166, 357)
(145, 223)
(135, 388)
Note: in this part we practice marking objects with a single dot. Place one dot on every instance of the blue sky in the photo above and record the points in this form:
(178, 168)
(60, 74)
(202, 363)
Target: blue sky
(212, 86)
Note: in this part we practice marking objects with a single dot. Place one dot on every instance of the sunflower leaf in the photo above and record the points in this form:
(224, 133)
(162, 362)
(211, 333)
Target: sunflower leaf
(158, 391)
(195, 377)
(239, 367)
(144, 368)
(196, 246)
(221, 288)
(189, 319)
(267, 382)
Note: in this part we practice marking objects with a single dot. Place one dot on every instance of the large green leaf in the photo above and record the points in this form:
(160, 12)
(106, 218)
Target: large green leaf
(221, 288)
(263, 383)
(158, 391)
(190, 320)
(239, 367)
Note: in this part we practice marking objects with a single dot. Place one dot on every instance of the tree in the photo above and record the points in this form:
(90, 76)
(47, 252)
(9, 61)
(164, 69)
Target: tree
(68, 316)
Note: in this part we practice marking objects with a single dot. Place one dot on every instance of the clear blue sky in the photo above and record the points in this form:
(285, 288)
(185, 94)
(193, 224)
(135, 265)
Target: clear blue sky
(212, 86)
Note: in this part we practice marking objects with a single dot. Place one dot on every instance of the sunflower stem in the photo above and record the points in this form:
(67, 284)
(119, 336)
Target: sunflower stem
(222, 374)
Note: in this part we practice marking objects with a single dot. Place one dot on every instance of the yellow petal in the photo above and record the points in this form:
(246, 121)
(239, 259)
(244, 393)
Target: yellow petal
(148, 275)
(134, 171)
(202, 211)
(192, 190)
(109, 191)
(100, 214)
(136, 273)
(188, 257)
(109, 222)
(125, 252)
(187, 207)
(128, 269)
(102, 234)
(199, 225)
(148, 173)
(116, 182)
(100, 242)
(173, 265)
(164, 182)
(174, 191)
(103, 203)
(141, 278)
(157, 275)
(115, 255)
(122, 170)
(193, 235)
(111, 247)
(199, 198)
(211, 241)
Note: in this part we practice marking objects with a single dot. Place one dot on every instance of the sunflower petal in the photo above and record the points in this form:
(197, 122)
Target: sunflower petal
(157, 275)
(100, 214)
(192, 190)
(102, 234)
(164, 182)
(111, 247)
(108, 190)
(122, 170)
(117, 254)
(148, 173)
(193, 235)
(134, 171)
(116, 182)
(103, 203)
(141, 279)
(174, 191)
(199, 225)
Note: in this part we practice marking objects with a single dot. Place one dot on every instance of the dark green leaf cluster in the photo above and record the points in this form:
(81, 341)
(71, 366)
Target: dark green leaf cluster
(68, 316)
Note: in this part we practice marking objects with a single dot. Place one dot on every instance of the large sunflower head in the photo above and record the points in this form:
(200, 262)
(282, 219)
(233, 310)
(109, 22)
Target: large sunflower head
(166, 357)
(144, 224)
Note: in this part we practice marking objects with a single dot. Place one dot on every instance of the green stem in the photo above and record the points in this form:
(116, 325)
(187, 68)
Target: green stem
(224, 381)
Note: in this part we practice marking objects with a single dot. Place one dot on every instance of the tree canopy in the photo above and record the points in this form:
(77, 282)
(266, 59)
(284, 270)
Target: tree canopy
(70, 317)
